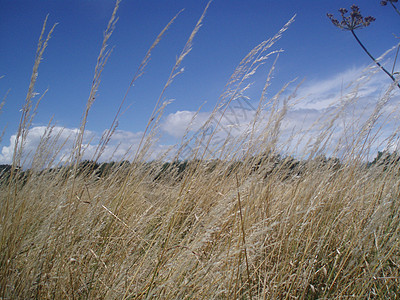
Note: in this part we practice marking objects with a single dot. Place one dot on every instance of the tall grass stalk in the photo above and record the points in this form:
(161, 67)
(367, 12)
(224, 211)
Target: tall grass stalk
(101, 62)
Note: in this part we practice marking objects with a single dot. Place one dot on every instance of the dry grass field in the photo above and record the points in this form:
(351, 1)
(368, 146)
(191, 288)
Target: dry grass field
(253, 224)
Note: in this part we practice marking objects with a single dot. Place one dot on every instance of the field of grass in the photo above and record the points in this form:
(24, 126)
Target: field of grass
(253, 224)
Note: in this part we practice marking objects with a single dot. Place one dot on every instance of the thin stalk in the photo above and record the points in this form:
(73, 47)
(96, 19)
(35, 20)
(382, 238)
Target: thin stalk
(395, 8)
(243, 236)
(373, 58)
(395, 58)
(140, 71)
(174, 72)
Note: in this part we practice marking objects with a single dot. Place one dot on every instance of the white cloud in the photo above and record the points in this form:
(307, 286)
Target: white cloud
(234, 121)
(350, 99)
(177, 123)
(56, 145)
(53, 141)
(353, 93)
(325, 93)
(342, 103)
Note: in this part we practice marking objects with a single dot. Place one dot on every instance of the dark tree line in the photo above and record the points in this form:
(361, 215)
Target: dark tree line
(266, 165)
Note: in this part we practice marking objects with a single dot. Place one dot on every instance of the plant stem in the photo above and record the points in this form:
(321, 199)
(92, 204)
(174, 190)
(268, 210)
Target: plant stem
(243, 236)
(395, 58)
(373, 58)
(395, 8)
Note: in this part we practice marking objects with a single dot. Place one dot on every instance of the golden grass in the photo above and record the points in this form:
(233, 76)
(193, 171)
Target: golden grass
(329, 232)
(249, 225)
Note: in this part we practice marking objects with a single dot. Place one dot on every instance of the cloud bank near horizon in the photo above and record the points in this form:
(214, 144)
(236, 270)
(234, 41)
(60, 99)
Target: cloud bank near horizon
(345, 104)
(59, 145)
(355, 94)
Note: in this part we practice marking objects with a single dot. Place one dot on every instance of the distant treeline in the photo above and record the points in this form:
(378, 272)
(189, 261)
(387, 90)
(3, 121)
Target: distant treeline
(85, 168)
(265, 164)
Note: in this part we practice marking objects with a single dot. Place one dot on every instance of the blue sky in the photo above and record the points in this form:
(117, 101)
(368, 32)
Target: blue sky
(313, 50)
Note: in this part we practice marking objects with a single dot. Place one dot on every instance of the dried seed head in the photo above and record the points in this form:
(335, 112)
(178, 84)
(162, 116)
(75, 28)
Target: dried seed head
(355, 20)
(385, 2)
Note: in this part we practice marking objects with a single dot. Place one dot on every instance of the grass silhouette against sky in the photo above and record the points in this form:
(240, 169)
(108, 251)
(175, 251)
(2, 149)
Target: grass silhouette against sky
(313, 49)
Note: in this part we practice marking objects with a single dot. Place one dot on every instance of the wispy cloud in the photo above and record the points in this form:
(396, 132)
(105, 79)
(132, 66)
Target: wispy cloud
(341, 104)
(44, 145)
(176, 124)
